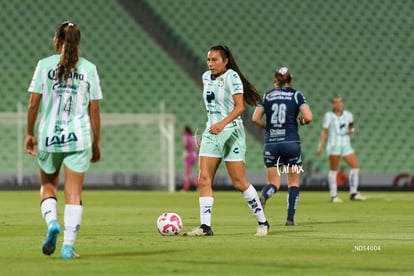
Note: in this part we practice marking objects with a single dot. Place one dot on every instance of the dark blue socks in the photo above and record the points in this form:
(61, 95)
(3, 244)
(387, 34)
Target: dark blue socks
(268, 191)
(293, 198)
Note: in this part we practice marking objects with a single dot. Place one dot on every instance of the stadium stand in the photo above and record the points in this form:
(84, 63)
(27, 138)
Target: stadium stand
(135, 73)
(360, 49)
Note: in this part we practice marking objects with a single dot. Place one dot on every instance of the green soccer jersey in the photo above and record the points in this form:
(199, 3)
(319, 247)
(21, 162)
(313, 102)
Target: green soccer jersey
(64, 124)
(338, 128)
(218, 97)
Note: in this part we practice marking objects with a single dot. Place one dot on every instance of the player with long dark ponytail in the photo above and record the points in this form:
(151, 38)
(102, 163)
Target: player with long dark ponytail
(68, 39)
(251, 96)
(225, 93)
(68, 90)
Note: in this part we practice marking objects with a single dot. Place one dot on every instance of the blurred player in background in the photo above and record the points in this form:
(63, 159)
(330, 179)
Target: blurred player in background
(282, 151)
(338, 125)
(225, 92)
(67, 89)
(190, 158)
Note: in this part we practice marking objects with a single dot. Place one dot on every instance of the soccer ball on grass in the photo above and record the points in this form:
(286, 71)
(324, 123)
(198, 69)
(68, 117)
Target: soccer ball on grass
(169, 224)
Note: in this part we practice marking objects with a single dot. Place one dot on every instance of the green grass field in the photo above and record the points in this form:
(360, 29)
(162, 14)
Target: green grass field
(119, 237)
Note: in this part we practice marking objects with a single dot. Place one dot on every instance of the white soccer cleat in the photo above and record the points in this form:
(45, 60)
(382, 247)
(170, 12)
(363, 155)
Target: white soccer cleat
(358, 197)
(262, 230)
(202, 230)
(336, 199)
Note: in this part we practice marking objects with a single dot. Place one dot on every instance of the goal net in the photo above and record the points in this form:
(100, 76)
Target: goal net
(137, 153)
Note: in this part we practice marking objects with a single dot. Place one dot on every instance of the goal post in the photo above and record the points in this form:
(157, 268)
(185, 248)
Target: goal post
(138, 152)
(147, 148)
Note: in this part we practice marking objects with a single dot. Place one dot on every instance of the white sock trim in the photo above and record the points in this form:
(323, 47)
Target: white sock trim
(206, 208)
(253, 201)
(72, 221)
(48, 207)
(353, 180)
(333, 188)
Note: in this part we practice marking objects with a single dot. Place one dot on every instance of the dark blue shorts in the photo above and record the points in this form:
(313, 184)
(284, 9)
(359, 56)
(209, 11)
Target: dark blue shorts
(287, 153)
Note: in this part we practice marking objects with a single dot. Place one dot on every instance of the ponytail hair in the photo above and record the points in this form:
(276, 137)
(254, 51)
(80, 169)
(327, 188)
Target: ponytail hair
(282, 77)
(68, 39)
(251, 96)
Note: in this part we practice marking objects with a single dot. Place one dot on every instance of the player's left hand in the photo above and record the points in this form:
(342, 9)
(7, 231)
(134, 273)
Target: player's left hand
(96, 152)
(30, 145)
(216, 128)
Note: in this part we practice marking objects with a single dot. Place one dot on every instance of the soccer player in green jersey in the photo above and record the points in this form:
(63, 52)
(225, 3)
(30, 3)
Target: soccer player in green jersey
(66, 87)
(338, 125)
(225, 92)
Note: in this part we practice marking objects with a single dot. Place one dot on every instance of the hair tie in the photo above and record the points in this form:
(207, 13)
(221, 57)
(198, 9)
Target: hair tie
(283, 70)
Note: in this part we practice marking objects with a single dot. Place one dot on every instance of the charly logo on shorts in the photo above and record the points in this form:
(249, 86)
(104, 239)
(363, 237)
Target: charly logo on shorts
(42, 155)
(236, 151)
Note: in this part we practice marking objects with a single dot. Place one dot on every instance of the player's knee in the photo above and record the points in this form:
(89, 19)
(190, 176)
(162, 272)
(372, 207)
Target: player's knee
(240, 185)
(204, 180)
(49, 188)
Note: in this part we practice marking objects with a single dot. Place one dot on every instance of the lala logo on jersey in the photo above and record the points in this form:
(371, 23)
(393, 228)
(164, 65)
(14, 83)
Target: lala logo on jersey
(61, 139)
